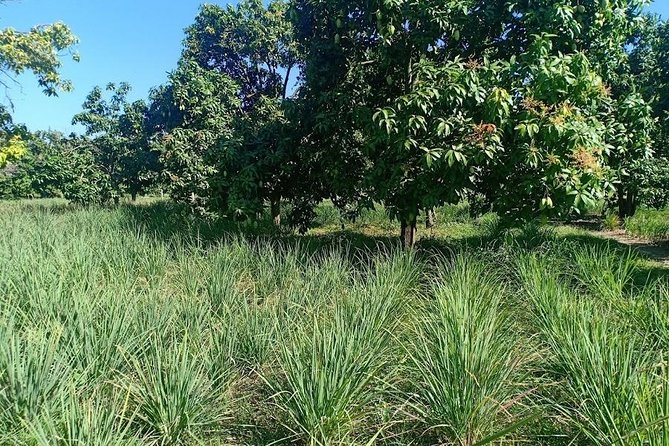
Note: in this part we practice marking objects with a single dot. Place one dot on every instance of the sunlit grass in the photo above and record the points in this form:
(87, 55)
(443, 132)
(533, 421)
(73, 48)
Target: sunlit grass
(142, 325)
(649, 224)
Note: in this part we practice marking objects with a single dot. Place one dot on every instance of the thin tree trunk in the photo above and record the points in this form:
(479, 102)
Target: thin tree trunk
(626, 203)
(408, 232)
(275, 207)
(285, 82)
(133, 196)
(431, 219)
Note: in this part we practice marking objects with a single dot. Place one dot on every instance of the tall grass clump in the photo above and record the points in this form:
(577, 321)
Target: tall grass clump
(174, 396)
(603, 374)
(32, 373)
(95, 421)
(333, 369)
(464, 361)
(605, 272)
(650, 224)
(611, 222)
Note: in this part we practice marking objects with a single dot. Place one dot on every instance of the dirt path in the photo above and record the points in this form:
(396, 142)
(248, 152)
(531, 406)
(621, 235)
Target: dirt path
(656, 252)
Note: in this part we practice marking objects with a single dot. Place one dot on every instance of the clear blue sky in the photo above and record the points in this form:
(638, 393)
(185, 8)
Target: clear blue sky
(138, 41)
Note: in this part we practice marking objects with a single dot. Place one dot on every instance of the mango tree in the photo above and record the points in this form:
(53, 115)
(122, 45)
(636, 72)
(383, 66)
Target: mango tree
(644, 98)
(248, 48)
(120, 138)
(493, 96)
(192, 118)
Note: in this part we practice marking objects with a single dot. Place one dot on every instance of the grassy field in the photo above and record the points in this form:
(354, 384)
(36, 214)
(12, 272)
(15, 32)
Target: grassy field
(141, 326)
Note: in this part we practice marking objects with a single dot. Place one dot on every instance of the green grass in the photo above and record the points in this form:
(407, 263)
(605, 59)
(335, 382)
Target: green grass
(464, 356)
(649, 224)
(142, 325)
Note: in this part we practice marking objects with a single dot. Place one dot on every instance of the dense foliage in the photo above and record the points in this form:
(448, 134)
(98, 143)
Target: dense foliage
(226, 153)
(119, 137)
(531, 109)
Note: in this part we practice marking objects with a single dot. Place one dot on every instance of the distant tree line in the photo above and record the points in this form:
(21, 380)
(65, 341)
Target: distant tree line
(536, 108)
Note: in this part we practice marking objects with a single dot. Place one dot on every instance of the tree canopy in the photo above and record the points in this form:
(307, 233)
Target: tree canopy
(534, 108)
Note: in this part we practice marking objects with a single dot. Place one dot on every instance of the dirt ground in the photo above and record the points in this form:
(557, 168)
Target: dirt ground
(658, 252)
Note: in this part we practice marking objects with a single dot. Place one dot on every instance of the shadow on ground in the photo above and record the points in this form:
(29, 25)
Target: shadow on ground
(167, 221)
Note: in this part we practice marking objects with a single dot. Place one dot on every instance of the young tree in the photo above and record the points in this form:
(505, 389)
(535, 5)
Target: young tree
(193, 119)
(118, 130)
(140, 163)
(66, 166)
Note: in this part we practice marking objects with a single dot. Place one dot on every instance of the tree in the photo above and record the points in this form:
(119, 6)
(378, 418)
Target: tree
(645, 77)
(140, 163)
(120, 137)
(247, 48)
(12, 144)
(443, 98)
(193, 117)
(39, 51)
(66, 166)
(55, 165)
(631, 133)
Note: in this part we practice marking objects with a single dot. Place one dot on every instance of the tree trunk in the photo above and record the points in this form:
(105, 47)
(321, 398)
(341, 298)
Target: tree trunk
(408, 232)
(275, 207)
(133, 196)
(626, 203)
(431, 219)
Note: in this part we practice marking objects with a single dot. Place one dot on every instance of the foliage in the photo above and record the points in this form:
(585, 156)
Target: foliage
(611, 222)
(241, 56)
(602, 367)
(644, 74)
(331, 370)
(94, 422)
(56, 165)
(654, 177)
(13, 150)
(120, 142)
(194, 149)
(173, 395)
(505, 100)
(39, 51)
(632, 139)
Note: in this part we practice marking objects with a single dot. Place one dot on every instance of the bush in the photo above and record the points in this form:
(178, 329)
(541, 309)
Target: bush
(654, 192)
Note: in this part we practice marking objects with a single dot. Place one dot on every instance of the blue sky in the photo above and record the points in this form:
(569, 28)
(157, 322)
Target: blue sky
(137, 41)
